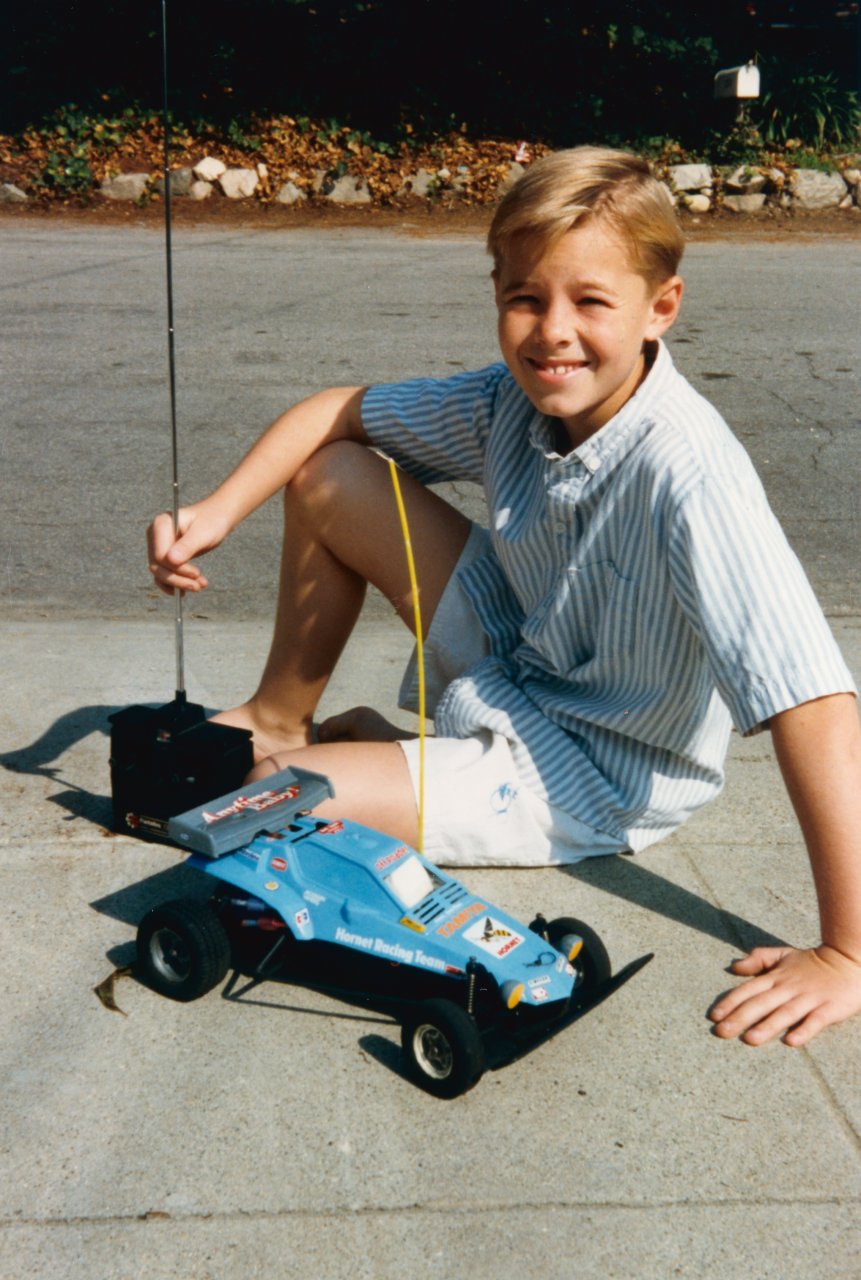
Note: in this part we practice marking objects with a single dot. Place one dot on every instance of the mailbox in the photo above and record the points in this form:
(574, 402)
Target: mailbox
(738, 82)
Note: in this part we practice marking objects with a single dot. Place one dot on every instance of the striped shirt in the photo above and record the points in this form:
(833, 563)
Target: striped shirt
(640, 596)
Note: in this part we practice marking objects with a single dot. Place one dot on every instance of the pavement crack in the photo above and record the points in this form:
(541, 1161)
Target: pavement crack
(440, 1208)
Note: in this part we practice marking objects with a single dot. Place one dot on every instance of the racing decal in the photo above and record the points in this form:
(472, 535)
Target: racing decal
(463, 917)
(302, 918)
(492, 935)
(389, 858)
(538, 994)
(331, 828)
(271, 885)
(314, 898)
(539, 982)
(264, 800)
(278, 864)
(250, 855)
(133, 821)
(391, 950)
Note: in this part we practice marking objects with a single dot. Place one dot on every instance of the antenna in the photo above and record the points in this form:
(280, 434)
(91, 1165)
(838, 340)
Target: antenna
(168, 760)
(171, 357)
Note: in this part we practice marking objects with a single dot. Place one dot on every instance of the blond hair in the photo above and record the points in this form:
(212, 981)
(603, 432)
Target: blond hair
(616, 187)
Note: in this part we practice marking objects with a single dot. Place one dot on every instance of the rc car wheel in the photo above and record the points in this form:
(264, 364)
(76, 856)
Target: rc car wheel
(442, 1048)
(182, 949)
(591, 964)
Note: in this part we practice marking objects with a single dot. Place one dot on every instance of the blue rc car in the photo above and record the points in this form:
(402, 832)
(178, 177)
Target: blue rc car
(295, 894)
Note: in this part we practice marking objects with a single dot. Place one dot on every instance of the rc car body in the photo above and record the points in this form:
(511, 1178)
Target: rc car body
(304, 887)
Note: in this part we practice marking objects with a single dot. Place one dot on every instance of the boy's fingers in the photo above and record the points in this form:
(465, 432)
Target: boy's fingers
(186, 578)
(160, 536)
(760, 960)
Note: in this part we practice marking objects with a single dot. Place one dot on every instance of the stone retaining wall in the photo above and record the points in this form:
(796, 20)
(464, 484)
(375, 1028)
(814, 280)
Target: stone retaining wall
(700, 188)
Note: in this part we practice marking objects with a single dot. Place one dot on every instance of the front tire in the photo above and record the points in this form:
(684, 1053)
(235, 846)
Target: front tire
(442, 1048)
(182, 949)
(592, 964)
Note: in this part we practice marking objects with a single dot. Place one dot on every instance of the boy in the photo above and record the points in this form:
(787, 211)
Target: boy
(588, 653)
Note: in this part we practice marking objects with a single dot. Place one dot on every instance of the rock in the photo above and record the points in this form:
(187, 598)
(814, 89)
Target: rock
(209, 169)
(698, 203)
(423, 183)
(180, 182)
(515, 170)
(746, 181)
(846, 202)
(349, 190)
(852, 177)
(744, 204)
(125, 186)
(817, 188)
(262, 171)
(690, 177)
(239, 184)
(10, 194)
(200, 190)
(290, 194)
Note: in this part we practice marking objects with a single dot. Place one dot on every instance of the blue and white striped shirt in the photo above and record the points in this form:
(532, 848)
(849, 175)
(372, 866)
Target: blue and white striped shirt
(639, 597)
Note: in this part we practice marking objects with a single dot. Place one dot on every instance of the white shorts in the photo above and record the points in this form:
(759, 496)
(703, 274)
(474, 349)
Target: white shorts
(477, 812)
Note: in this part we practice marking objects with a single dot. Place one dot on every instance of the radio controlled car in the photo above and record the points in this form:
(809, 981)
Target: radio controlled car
(315, 895)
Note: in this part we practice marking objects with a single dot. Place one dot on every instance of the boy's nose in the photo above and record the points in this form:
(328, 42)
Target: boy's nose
(555, 327)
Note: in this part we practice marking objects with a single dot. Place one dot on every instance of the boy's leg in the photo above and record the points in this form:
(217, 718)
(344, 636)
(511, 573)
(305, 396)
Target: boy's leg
(341, 531)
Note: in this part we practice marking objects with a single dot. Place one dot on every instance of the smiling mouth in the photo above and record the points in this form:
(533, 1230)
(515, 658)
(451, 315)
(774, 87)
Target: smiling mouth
(559, 370)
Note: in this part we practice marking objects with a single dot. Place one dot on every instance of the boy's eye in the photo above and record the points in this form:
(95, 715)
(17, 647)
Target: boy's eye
(592, 302)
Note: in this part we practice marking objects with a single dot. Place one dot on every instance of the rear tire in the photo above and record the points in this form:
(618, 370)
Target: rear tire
(442, 1047)
(182, 949)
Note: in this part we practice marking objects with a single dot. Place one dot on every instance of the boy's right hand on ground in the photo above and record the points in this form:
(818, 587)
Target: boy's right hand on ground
(170, 557)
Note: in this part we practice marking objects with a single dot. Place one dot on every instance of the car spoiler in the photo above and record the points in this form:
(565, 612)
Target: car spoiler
(233, 820)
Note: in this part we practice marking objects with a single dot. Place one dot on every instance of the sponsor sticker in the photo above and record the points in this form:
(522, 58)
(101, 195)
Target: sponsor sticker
(463, 917)
(331, 828)
(539, 994)
(302, 918)
(264, 800)
(314, 898)
(278, 864)
(389, 858)
(271, 885)
(493, 936)
(539, 982)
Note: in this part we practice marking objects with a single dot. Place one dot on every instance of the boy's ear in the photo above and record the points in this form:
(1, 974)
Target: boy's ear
(494, 275)
(666, 301)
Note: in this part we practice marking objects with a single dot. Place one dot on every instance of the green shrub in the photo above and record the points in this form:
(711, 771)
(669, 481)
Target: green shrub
(810, 106)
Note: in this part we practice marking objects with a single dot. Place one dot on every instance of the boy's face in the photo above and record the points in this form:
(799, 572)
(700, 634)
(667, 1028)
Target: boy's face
(573, 322)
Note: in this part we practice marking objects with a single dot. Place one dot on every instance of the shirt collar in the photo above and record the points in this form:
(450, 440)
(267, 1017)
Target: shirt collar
(618, 436)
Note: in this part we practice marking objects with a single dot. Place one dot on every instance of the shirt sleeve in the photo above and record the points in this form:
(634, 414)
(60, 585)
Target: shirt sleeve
(747, 597)
(435, 428)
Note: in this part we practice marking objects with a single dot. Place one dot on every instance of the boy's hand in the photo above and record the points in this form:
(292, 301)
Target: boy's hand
(788, 993)
(170, 557)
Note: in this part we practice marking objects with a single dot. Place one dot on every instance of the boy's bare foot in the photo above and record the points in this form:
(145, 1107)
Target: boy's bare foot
(360, 724)
(268, 737)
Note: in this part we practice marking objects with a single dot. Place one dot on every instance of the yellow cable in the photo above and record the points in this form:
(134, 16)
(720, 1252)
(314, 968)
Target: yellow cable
(417, 613)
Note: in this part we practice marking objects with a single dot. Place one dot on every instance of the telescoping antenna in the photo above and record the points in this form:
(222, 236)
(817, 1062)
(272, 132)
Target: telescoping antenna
(170, 759)
(171, 356)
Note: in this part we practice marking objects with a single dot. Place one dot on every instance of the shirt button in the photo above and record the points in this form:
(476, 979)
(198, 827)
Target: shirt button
(592, 464)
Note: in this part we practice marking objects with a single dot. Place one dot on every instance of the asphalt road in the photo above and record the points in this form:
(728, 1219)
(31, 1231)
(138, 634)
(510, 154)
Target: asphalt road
(768, 331)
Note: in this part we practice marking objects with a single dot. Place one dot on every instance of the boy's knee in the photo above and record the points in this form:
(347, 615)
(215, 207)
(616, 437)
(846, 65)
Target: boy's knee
(323, 476)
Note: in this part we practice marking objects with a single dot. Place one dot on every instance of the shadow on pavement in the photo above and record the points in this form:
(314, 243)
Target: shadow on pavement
(626, 878)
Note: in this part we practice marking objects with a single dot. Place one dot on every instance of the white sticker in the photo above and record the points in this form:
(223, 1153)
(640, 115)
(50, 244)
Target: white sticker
(492, 935)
